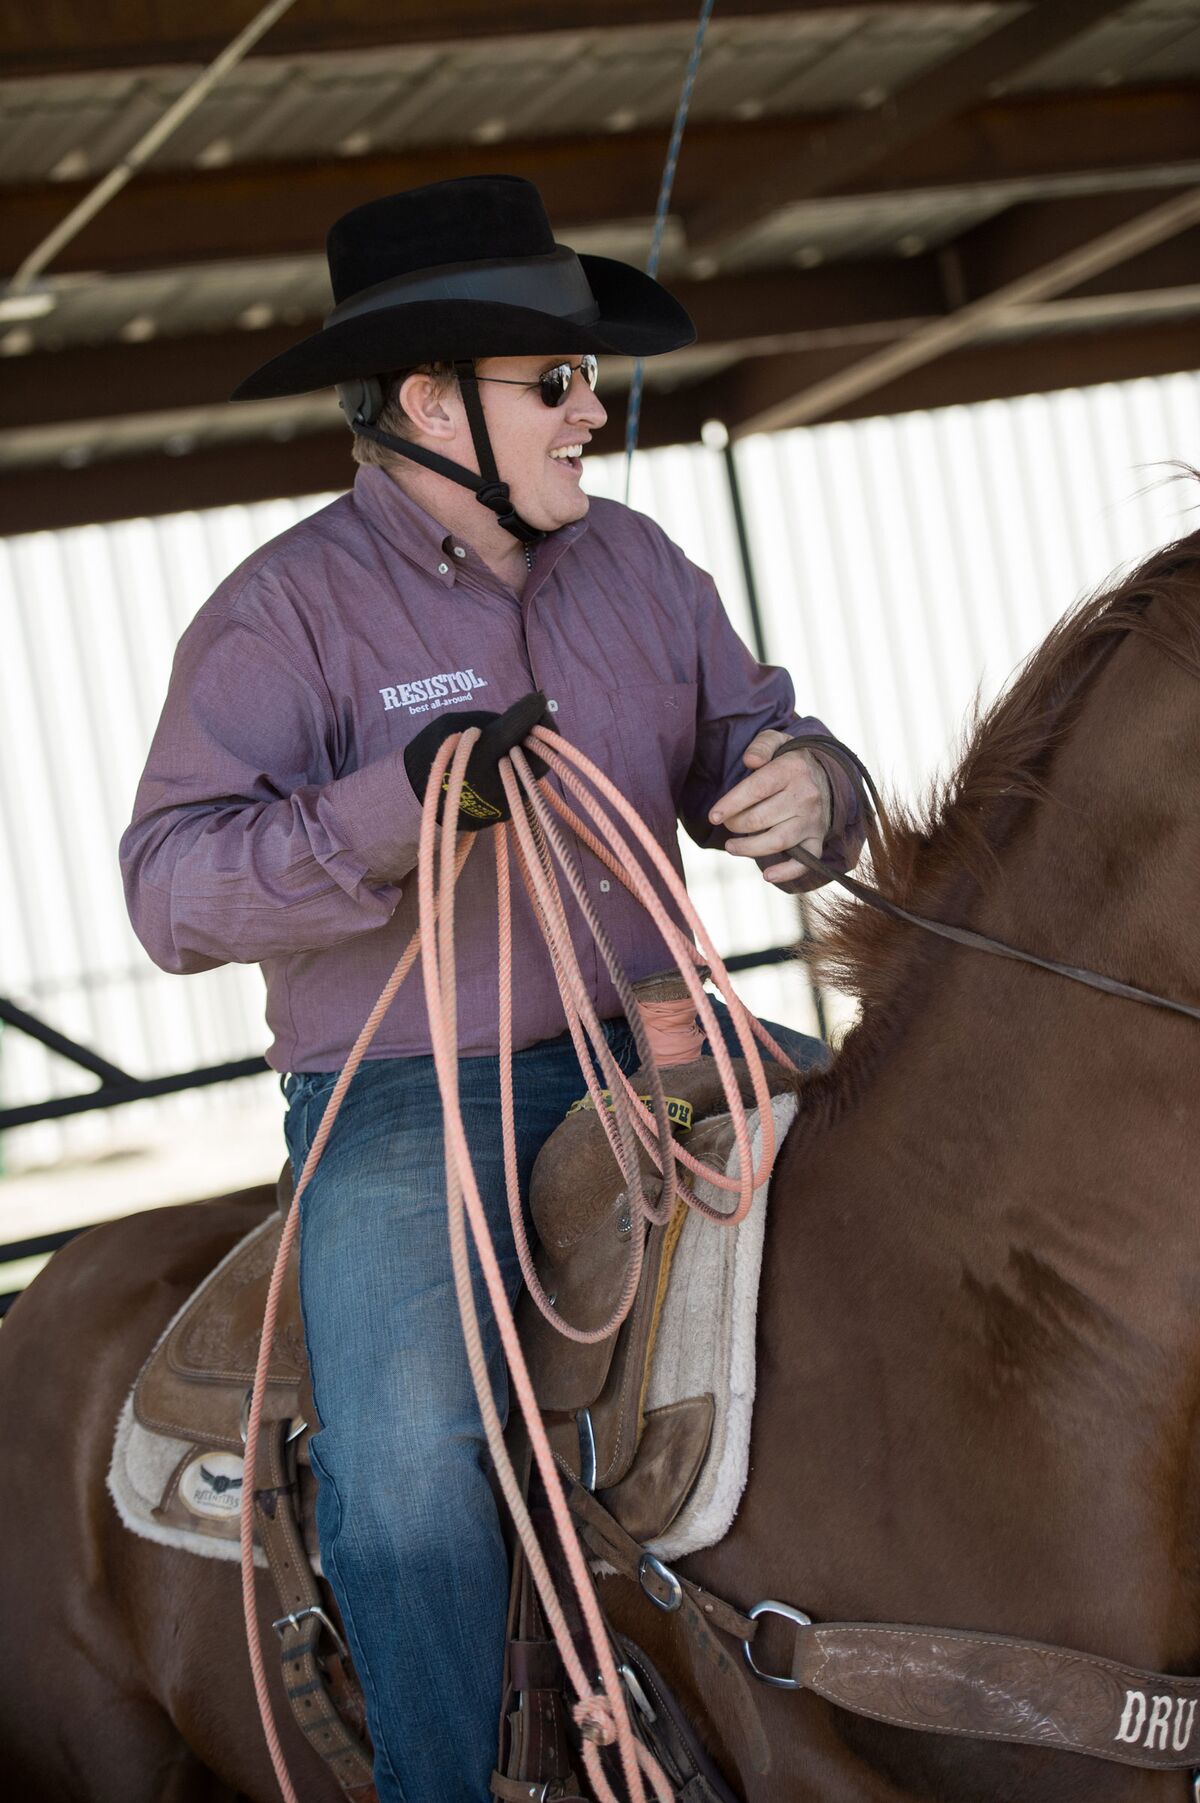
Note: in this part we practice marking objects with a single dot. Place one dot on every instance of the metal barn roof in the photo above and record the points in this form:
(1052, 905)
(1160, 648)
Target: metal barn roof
(852, 177)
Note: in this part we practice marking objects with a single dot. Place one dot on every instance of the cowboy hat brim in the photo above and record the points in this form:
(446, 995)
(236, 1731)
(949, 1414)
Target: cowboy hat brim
(637, 318)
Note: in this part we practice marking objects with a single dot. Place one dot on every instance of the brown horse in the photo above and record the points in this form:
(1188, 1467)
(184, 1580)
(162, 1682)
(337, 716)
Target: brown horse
(979, 1346)
(123, 1668)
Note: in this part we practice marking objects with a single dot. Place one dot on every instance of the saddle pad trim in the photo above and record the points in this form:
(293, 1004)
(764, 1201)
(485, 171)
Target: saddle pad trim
(156, 1457)
(736, 1268)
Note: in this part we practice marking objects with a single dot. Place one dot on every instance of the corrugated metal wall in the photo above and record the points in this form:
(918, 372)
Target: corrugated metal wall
(90, 622)
(903, 563)
(900, 564)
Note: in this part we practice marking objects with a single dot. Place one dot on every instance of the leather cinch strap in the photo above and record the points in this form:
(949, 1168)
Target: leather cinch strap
(989, 1687)
(944, 1680)
(303, 1620)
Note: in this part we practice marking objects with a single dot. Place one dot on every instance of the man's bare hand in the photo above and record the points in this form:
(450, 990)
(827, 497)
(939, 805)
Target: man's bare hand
(783, 802)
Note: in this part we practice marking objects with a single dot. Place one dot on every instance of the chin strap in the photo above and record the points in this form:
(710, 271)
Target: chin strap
(487, 486)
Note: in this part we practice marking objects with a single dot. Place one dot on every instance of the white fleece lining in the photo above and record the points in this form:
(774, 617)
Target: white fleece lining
(706, 1342)
(138, 1474)
(142, 1461)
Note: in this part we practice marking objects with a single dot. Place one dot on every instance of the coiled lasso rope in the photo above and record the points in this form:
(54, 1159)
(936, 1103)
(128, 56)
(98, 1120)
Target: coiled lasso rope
(534, 837)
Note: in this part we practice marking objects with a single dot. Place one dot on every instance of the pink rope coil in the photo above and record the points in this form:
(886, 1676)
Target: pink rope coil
(463, 1193)
(536, 840)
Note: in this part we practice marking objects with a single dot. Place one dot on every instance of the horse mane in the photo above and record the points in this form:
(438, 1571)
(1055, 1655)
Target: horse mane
(933, 857)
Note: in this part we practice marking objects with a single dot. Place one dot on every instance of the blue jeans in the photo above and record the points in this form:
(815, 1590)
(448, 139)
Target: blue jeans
(406, 1516)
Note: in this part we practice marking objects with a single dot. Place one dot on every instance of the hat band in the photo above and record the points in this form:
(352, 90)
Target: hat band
(554, 283)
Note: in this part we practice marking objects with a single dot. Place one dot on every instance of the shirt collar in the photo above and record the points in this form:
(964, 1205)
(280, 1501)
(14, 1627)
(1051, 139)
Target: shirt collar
(405, 525)
(425, 542)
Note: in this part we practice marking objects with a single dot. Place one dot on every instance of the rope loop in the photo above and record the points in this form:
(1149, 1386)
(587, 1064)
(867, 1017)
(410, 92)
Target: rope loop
(543, 853)
(593, 1717)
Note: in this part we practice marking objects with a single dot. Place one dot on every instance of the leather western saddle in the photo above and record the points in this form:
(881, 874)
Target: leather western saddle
(642, 1464)
(194, 1388)
(194, 1392)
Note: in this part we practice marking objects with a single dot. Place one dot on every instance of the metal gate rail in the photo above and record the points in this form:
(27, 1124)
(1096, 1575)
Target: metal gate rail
(117, 1086)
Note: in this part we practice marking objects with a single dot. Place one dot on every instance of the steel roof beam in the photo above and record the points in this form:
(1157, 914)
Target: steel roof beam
(863, 141)
(219, 475)
(859, 302)
(283, 209)
(997, 371)
(840, 307)
(1100, 237)
(76, 35)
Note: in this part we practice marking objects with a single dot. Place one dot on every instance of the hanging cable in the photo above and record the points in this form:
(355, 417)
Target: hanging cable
(633, 416)
(144, 149)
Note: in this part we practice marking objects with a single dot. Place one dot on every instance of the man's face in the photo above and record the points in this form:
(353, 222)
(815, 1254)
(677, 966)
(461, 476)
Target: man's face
(530, 440)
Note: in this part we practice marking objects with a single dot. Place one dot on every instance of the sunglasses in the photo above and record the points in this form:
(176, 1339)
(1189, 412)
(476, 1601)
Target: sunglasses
(554, 385)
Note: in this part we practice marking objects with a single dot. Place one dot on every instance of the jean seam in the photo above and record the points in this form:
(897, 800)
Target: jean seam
(329, 1556)
(361, 1665)
(400, 1097)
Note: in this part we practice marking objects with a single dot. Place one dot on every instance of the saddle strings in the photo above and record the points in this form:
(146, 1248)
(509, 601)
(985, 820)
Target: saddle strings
(534, 838)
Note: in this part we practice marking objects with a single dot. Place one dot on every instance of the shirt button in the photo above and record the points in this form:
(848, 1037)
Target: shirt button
(443, 569)
(605, 885)
(459, 551)
(552, 707)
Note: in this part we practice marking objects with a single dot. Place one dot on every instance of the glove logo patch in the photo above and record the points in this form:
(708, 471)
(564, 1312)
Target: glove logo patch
(471, 803)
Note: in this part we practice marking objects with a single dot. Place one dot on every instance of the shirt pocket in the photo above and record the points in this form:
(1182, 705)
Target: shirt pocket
(656, 738)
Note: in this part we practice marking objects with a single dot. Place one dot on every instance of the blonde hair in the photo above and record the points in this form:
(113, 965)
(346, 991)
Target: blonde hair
(392, 418)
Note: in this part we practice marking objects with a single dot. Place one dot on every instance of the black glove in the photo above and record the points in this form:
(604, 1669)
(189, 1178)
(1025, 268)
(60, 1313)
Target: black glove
(482, 801)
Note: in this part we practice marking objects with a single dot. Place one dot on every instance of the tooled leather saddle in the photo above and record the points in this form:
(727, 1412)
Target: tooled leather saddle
(195, 1384)
(642, 1463)
(194, 1387)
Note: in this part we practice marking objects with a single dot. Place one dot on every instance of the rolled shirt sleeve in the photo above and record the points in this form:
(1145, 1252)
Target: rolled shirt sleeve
(244, 845)
(737, 698)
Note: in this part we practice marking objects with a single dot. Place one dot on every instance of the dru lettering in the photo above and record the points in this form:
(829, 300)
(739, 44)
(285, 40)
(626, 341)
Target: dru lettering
(1149, 1721)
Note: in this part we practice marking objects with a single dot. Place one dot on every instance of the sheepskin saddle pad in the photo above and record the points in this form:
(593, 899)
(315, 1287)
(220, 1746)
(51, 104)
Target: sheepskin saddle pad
(176, 1473)
(656, 1416)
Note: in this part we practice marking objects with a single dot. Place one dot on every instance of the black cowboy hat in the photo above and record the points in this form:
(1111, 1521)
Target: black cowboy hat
(467, 269)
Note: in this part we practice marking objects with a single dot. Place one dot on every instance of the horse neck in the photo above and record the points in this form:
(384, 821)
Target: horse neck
(1044, 1125)
(979, 1316)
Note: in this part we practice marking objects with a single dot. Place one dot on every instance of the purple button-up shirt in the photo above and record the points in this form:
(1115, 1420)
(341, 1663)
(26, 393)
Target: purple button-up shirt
(275, 823)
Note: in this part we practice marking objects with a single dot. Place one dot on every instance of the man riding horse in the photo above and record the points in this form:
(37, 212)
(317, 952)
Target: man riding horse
(465, 579)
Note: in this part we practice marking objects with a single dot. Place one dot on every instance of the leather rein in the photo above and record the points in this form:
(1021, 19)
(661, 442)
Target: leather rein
(869, 800)
(977, 1686)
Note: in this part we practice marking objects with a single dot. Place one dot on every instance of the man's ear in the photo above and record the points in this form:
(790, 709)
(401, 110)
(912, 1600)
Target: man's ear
(424, 399)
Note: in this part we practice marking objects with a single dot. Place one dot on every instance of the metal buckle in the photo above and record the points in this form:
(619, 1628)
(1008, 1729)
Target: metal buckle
(587, 1449)
(789, 1614)
(315, 1610)
(655, 1567)
(294, 1432)
(633, 1685)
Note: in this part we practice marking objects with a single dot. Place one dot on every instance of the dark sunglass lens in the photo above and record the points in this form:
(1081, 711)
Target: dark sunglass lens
(590, 369)
(555, 384)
